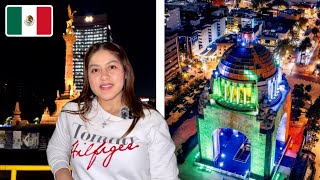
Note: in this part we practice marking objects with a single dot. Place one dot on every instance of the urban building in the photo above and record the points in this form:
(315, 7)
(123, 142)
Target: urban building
(173, 21)
(187, 38)
(88, 30)
(224, 43)
(172, 62)
(293, 14)
(239, 18)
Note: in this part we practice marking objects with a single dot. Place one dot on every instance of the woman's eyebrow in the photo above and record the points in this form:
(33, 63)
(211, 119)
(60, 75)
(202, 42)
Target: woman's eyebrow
(91, 65)
(113, 61)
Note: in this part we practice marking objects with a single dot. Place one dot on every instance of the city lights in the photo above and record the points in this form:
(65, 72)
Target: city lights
(88, 18)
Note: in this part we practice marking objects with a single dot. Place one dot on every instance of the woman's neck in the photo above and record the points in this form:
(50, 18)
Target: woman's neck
(112, 108)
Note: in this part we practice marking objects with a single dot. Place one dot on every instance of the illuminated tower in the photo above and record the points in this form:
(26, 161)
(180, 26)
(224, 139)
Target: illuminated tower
(16, 120)
(16, 115)
(69, 38)
(88, 30)
(239, 119)
(70, 91)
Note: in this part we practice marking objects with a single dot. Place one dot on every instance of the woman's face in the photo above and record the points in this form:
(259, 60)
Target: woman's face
(106, 76)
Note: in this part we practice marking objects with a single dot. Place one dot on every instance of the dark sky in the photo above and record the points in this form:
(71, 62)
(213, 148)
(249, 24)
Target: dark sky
(39, 61)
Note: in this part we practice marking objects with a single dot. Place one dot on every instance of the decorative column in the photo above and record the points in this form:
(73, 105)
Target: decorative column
(241, 87)
(272, 88)
(68, 95)
(216, 86)
(279, 78)
(225, 90)
(219, 82)
(253, 93)
(231, 93)
(222, 87)
(245, 94)
(69, 38)
(238, 93)
(269, 89)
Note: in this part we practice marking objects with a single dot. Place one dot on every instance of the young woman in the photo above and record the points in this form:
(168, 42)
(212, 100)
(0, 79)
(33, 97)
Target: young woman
(96, 135)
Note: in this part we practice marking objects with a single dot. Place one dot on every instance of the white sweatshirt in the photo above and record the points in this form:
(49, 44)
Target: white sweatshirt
(95, 152)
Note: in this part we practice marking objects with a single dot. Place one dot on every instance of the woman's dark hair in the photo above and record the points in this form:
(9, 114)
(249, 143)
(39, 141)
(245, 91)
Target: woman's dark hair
(128, 96)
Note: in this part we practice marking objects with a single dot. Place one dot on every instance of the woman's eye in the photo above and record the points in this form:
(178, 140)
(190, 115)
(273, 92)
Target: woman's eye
(112, 67)
(94, 70)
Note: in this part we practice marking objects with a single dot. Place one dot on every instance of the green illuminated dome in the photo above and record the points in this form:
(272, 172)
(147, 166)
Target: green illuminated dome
(246, 75)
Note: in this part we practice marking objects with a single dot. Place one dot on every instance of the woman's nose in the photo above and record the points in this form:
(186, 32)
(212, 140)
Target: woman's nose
(105, 74)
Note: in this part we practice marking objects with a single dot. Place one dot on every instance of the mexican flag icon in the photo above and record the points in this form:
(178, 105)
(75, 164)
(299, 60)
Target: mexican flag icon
(29, 20)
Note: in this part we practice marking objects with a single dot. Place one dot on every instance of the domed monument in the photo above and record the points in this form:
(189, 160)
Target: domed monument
(243, 117)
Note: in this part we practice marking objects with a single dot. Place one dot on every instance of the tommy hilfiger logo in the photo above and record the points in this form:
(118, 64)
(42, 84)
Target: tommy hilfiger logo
(92, 145)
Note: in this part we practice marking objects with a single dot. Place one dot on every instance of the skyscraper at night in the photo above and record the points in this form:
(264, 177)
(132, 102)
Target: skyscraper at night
(88, 30)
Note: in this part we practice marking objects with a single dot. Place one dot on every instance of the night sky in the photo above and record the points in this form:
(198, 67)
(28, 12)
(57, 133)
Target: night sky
(38, 62)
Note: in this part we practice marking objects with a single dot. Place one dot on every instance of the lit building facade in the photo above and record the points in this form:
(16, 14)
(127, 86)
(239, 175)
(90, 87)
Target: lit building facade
(88, 30)
(172, 61)
(239, 18)
(224, 43)
(244, 116)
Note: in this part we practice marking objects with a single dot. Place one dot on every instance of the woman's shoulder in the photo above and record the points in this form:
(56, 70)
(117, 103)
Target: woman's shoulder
(153, 116)
(70, 106)
(151, 113)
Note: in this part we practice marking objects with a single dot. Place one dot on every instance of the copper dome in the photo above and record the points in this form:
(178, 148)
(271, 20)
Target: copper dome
(247, 63)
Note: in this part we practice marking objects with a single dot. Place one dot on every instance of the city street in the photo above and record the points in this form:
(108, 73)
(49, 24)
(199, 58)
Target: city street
(304, 72)
(314, 94)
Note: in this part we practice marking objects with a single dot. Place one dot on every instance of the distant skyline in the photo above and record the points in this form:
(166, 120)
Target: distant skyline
(39, 62)
(129, 29)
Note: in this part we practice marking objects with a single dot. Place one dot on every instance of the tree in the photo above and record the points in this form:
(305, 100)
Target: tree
(297, 103)
(296, 113)
(8, 120)
(185, 62)
(170, 87)
(302, 22)
(298, 98)
(308, 88)
(313, 115)
(315, 31)
(313, 112)
(294, 36)
(197, 64)
(307, 96)
(36, 120)
(298, 90)
(284, 46)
